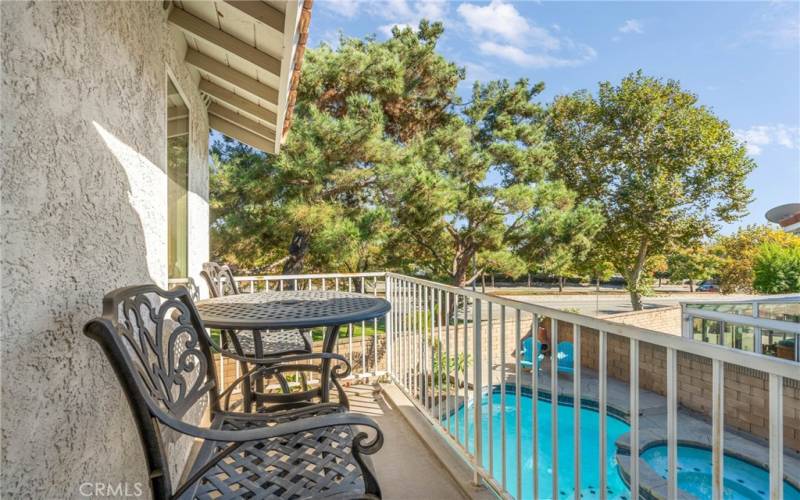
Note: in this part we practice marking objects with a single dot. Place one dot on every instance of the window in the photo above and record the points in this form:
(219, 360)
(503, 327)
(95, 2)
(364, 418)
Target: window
(178, 183)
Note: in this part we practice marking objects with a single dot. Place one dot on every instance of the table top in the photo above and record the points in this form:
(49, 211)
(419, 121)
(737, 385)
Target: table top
(289, 309)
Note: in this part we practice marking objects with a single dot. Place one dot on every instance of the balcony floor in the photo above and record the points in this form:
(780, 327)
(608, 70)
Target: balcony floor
(405, 467)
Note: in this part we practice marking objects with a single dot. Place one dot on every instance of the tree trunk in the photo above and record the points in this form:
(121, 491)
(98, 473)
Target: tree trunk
(529, 280)
(636, 300)
(560, 284)
(598, 283)
(483, 283)
(635, 276)
(492, 280)
(298, 248)
(691, 285)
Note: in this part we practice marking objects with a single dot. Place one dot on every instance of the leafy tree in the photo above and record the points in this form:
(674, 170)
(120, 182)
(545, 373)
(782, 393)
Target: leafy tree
(316, 203)
(664, 168)
(475, 187)
(692, 264)
(737, 253)
(777, 268)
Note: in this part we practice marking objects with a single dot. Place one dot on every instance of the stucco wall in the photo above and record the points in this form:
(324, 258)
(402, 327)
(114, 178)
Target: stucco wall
(83, 212)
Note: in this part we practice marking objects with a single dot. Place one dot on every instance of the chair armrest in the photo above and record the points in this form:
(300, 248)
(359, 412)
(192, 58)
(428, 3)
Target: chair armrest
(277, 430)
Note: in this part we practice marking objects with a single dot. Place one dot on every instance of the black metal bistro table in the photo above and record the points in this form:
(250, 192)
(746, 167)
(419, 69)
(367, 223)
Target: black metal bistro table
(302, 309)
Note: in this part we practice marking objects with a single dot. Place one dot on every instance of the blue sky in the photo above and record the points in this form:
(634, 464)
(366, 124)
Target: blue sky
(741, 58)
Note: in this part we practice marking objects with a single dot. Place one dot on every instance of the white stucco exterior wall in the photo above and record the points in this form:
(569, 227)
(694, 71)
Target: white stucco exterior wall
(84, 211)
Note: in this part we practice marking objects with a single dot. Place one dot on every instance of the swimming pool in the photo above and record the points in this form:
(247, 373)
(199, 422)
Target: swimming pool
(741, 479)
(590, 443)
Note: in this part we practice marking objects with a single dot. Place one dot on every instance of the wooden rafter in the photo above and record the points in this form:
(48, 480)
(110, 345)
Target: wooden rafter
(240, 120)
(201, 29)
(240, 134)
(230, 75)
(261, 12)
(240, 103)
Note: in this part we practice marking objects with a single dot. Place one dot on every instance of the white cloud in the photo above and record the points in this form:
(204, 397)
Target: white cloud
(632, 26)
(403, 13)
(345, 8)
(505, 33)
(535, 60)
(759, 136)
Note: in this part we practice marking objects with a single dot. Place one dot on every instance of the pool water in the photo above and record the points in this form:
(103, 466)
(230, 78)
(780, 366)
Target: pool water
(590, 433)
(741, 479)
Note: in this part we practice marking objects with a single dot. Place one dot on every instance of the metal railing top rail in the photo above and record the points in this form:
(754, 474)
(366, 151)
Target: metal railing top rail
(775, 366)
(273, 277)
(741, 319)
(770, 299)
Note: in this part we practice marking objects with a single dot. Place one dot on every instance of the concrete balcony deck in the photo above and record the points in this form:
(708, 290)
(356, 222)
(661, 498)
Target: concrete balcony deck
(407, 466)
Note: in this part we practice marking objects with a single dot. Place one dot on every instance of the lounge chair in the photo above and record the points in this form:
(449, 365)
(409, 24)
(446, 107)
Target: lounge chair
(527, 353)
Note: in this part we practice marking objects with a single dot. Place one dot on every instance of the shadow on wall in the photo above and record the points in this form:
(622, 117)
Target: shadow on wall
(66, 422)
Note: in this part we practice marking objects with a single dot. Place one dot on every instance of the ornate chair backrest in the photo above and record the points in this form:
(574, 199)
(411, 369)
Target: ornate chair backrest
(161, 354)
(219, 279)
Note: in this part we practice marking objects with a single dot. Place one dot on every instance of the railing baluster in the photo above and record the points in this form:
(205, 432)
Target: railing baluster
(466, 384)
(438, 373)
(455, 379)
(554, 402)
(576, 405)
(534, 404)
(717, 427)
(518, 397)
(477, 390)
(503, 472)
(364, 338)
(490, 385)
(775, 437)
(447, 357)
(424, 347)
(634, 416)
(415, 345)
(672, 424)
(350, 330)
(602, 396)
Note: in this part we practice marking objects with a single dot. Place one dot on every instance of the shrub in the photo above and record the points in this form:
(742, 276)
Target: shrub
(777, 268)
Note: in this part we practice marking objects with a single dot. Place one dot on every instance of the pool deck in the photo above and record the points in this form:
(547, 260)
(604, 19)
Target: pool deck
(693, 429)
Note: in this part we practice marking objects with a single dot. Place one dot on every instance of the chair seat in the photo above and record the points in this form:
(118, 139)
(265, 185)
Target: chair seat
(311, 464)
(274, 342)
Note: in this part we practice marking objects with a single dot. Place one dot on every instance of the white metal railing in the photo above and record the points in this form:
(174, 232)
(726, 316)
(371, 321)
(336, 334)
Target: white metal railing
(440, 345)
(435, 329)
(723, 313)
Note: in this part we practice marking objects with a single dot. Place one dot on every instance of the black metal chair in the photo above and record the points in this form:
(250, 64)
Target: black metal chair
(220, 282)
(248, 343)
(162, 356)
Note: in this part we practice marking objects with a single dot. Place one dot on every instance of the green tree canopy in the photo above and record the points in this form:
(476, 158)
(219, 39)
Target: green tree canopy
(664, 168)
(737, 253)
(316, 203)
(475, 187)
(692, 264)
(776, 268)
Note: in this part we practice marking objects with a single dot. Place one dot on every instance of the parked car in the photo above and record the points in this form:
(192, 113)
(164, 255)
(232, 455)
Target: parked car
(707, 286)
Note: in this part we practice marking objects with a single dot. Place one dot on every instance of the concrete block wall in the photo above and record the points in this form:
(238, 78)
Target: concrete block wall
(660, 319)
(746, 390)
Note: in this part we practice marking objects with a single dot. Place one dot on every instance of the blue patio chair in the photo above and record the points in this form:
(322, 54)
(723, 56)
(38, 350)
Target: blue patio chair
(565, 357)
(526, 351)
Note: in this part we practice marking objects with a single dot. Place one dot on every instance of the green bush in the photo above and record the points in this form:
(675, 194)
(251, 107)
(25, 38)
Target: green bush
(777, 268)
